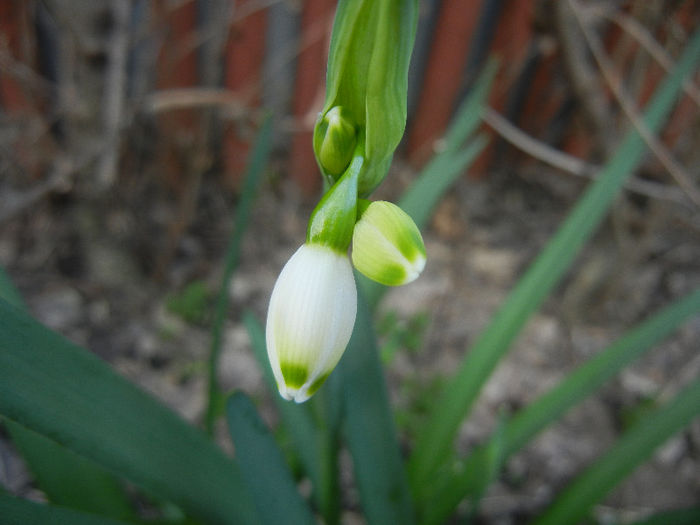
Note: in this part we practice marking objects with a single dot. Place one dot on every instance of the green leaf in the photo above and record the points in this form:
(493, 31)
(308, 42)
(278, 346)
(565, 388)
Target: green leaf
(468, 115)
(689, 516)
(66, 478)
(15, 511)
(632, 449)
(263, 465)
(437, 177)
(369, 428)
(256, 165)
(67, 394)
(314, 439)
(434, 444)
(472, 476)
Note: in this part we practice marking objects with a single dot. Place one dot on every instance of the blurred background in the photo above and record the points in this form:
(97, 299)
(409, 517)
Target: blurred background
(126, 127)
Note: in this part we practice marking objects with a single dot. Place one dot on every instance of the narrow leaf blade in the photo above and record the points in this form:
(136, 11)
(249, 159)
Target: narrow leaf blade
(369, 430)
(434, 444)
(263, 465)
(15, 511)
(471, 476)
(310, 438)
(66, 478)
(256, 165)
(67, 394)
(633, 448)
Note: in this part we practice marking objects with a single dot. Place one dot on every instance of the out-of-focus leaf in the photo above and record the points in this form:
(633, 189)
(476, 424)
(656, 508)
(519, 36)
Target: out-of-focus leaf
(66, 478)
(434, 444)
(256, 165)
(263, 465)
(15, 511)
(690, 516)
(313, 437)
(369, 428)
(67, 394)
(632, 449)
(470, 477)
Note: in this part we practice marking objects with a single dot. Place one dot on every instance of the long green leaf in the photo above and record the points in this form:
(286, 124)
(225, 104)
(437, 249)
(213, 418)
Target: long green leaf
(434, 444)
(254, 169)
(263, 465)
(67, 394)
(439, 175)
(70, 480)
(473, 475)
(689, 516)
(369, 428)
(313, 438)
(66, 478)
(15, 511)
(468, 116)
(633, 448)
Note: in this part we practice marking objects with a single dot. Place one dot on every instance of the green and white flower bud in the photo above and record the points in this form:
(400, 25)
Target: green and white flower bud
(310, 319)
(387, 246)
(335, 141)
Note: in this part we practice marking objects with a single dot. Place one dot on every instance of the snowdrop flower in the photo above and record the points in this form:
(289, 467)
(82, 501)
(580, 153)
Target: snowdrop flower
(314, 302)
(310, 319)
(387, 246)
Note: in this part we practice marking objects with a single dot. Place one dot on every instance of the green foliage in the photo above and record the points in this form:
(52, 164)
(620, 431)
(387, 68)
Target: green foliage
(253, 441)
(434, 445)
(635, 446)
(256, 165)
(79, 423)
(401, 334)
(65, 393)
(16, 511)
(192, 304)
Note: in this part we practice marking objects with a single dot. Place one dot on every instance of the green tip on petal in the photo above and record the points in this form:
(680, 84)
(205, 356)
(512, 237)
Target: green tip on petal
(387, 246)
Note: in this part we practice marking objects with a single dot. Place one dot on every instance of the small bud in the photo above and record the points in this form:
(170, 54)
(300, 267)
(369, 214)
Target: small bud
(335, 141)
(387, 246)
(310, 319)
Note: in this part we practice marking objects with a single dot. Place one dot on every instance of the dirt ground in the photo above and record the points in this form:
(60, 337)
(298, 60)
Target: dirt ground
(93, 269)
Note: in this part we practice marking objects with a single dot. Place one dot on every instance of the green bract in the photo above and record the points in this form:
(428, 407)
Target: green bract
(387, 246)
(367, 76)
(335, 141)
(334, 217)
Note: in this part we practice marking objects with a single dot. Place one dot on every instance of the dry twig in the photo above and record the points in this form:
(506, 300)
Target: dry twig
(570, 164)
(115, 93)
(615, 83)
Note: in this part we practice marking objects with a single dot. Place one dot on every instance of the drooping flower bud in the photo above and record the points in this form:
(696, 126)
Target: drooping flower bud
(335, 140)
(314, 302)
(387, 246)
(310, 319)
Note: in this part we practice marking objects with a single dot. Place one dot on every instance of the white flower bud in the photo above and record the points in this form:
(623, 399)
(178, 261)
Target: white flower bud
(310, 319)
(387, 246)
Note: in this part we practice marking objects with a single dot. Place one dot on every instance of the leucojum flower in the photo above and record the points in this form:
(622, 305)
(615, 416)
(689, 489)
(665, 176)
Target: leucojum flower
(314, 302)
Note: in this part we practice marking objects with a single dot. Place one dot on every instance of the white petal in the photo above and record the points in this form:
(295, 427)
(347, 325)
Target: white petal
(310, 319)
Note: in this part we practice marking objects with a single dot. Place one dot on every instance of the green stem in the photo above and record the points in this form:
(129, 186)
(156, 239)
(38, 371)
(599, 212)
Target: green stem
(255, 167)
